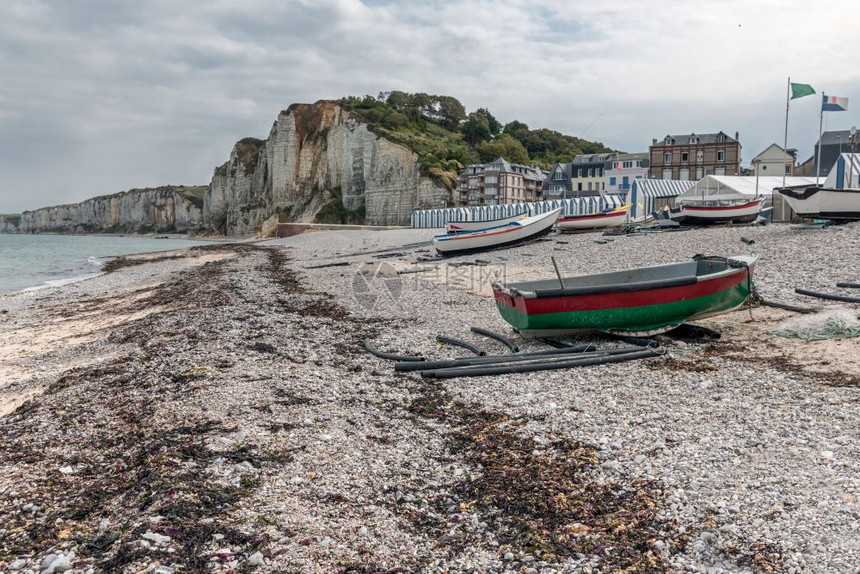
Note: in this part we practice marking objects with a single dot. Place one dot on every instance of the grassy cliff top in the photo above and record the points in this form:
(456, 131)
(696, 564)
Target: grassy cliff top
(447, 139)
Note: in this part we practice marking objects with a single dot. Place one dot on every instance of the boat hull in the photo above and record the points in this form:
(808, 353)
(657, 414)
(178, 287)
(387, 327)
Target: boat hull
(712, 215)
(822, 203)
(460, 226)
(592, 221)
(495, 237)
(645, 307)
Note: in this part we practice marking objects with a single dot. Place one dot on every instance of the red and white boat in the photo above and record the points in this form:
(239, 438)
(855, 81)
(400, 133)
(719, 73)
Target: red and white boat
(710, 212)
(492, 237)
(607, 218)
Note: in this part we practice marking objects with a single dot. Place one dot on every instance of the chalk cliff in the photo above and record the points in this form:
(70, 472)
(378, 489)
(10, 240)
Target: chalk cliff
(319, 163)
(161, 210)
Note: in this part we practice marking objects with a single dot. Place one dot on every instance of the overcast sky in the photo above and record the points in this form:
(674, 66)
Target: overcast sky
(99, 96)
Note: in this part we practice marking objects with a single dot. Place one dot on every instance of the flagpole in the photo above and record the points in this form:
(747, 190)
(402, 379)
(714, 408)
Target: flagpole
(785, 140)
(820, 127)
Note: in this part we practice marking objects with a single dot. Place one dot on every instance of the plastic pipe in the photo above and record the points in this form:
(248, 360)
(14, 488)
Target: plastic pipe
(501, 359)
(481, 371)
(500, 338)
(374, 351)
(827, 296)
(460, 343)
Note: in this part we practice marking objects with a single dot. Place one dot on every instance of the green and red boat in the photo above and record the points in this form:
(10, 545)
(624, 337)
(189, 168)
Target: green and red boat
(642, 301)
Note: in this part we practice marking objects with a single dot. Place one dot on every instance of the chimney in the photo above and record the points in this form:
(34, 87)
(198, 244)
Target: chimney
(654, 141)
(737, 137)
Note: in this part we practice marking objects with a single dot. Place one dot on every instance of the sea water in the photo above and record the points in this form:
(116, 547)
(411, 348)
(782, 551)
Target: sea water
(33, 261)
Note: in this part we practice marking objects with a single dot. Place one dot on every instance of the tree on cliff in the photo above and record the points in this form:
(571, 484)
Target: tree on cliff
(438, 129)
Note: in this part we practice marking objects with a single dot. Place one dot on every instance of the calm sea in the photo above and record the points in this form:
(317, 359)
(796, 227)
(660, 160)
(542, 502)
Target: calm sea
(31, 261)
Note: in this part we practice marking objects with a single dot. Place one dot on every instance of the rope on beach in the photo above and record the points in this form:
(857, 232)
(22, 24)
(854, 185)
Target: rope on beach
(832, 324)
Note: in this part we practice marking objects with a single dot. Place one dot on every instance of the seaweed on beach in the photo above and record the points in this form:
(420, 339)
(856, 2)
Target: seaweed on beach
(103, 450)
(548, 499)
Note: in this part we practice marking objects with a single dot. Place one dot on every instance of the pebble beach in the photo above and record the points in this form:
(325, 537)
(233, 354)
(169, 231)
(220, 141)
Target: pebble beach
(213, 410)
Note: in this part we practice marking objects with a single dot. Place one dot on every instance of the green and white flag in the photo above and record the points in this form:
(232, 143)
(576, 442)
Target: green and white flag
(800, 90)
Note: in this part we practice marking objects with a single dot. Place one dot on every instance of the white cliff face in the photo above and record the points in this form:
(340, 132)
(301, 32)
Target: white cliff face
(146, 210)
(317, 159)
(316, 154)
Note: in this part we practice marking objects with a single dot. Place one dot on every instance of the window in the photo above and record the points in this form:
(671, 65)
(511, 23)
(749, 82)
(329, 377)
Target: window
(720, 171)
(685, 174)
(612, 181)
(625, 182)
(787, 169)
(721, 138)
(590, 172)
(699, 173)
(491, 179)
(579, 186)
(589, 186)
(628, 164)
(721, 155)
(558, 175)
(694, 140)
(685, 157)
(667, 174)
(667, 158)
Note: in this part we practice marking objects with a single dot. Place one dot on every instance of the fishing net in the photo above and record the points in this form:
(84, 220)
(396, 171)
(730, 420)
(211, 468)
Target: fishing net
(832, 324)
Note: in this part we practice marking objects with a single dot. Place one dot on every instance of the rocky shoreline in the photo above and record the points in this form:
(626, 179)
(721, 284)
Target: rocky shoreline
(215, 411)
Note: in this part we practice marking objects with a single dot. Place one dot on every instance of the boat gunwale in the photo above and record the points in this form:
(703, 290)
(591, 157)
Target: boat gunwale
(693, 207)
(495, 230)
(455, 222)
(513, 291)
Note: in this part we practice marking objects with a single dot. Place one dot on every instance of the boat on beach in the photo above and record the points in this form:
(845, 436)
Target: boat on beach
(642, 301)
(603, 219)
(476, 225)
(712, 212)
(499, 236)
(818, 202)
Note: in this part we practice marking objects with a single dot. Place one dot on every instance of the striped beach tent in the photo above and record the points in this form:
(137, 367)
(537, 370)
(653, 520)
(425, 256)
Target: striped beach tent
(647, 195)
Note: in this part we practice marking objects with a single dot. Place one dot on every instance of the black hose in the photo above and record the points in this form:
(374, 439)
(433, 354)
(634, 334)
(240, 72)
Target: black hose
(500, 338)
(532, 367)
(501, 359)
(460, 343)
(827, 296)
(849, 285)
(374, 351)
(579, 348)
(793, 308)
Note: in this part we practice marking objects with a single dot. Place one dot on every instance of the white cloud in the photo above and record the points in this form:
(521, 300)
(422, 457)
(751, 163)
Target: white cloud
(104, 96)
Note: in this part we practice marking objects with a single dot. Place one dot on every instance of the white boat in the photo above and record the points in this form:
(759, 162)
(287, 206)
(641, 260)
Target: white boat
(464, 225)
(709, 212)
(818, 202)
(499, 236)
(602, 219)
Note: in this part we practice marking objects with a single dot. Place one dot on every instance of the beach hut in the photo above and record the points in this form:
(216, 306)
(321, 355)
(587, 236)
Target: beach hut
(845, 173)
(649, 195)
(433, 218)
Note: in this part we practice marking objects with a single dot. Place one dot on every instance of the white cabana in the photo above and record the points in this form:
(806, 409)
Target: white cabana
(845, 173)
(648, 195)
(738, 187)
